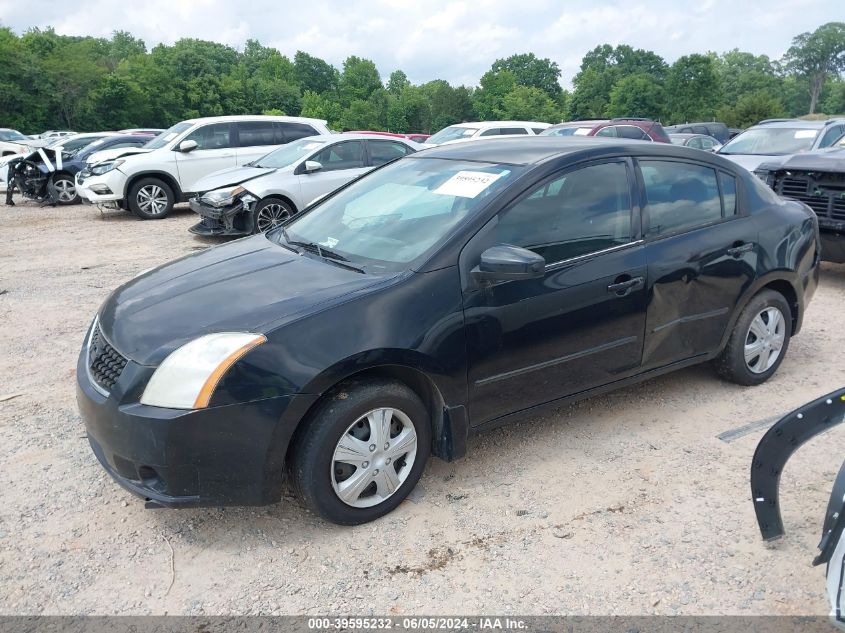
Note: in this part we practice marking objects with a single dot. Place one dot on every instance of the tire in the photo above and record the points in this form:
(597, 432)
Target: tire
(65, 188)
(346, 414)
(151, 199)
(269, 213)
(759, 341)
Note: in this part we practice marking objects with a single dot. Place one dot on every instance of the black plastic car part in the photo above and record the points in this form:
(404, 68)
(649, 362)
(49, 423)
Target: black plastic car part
(774, 450)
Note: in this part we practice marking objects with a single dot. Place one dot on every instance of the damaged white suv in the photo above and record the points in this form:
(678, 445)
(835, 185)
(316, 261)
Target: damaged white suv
(150, 180)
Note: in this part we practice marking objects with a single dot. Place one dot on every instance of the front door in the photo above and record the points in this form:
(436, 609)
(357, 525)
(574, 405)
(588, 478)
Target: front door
(341, 162)
(702, 257)
(580, 325)
(214, 151)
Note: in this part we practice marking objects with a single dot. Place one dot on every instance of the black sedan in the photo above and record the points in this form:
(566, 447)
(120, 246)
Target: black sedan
(440, 295)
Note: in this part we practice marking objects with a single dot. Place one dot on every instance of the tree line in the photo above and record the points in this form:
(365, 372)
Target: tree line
(52, 81)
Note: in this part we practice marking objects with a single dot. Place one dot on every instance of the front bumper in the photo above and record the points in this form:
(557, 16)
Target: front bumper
(235, 220)
(227, 455)
(115, 180)
(832, 234)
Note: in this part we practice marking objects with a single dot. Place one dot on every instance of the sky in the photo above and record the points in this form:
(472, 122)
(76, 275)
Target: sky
(443, 39)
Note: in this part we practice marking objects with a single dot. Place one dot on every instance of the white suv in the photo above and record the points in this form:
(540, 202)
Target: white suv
(484, 129)
(150, 180)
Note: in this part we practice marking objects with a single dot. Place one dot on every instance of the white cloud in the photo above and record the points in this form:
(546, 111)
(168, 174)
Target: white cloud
(456, 40)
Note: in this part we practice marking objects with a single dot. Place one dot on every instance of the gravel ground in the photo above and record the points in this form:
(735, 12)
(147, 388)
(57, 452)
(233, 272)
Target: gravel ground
(626, 504)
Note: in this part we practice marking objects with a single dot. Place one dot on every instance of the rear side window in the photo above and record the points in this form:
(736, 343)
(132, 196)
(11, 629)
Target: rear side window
(347, 155)
(514, 130)
(293, 131)
(607, 131)
(214, 136)
(700, 129)
(382, 152)
(580, 212)
(679, 196)
(631, 131)
(253, 133)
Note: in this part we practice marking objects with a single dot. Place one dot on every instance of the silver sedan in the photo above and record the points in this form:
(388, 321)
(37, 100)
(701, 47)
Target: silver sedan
(258, 196)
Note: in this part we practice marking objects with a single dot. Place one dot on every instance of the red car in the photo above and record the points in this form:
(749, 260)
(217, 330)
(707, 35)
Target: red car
(417, 138)
(639, 129)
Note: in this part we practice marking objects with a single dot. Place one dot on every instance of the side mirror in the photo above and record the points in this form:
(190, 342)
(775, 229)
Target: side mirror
(312, 166)
(187, 146)
(504, 262)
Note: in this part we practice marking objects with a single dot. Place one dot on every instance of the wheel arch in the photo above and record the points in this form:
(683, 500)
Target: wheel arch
(167, 178)
(280, 196)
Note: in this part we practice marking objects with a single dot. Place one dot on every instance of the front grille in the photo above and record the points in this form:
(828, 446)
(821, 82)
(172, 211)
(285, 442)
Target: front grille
(823, 192)
(104, 361)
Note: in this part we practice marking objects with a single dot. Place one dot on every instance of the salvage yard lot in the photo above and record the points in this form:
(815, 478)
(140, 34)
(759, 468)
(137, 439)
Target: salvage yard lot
(624, 504)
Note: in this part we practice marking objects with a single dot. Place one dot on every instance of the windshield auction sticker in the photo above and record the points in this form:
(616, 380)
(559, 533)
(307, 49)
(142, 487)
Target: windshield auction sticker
(467, 184)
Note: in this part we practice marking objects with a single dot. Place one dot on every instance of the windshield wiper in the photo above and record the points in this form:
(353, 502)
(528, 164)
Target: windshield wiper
(322, 252)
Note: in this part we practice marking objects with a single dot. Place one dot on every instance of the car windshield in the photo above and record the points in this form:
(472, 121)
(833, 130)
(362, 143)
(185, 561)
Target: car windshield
(288, 154)
(71, 145)
(12, 135)
(772, 141)
(566, 131)
(396, 214)
(452, 133)
(168, 135)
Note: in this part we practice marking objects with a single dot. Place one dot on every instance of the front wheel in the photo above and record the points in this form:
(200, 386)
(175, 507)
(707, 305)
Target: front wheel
(151, 199)
(759, 340)
(64, 189)
(269, 214)
(361, 451)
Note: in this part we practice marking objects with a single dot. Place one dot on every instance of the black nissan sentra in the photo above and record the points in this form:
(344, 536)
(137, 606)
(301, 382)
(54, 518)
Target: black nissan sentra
(440, 295)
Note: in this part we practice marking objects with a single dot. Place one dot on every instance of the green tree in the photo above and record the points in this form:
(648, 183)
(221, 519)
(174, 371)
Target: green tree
(529, 70)
(489, 99)
(816, 56)
(639, 95)
(692, 89)
(527, 103)
(322, 106)
(741, 73)
(750, 109)
(359, 80)
(398, 80)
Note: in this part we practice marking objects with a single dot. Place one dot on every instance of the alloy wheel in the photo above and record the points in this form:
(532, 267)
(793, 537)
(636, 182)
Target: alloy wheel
(152, 199)
(764, 340)
(65, 189)
(271, 215)
(373, 457)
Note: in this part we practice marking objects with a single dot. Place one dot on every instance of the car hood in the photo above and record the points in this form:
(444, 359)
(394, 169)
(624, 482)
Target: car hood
(830, 159)
(231, 176)
(249, 285)
(749, 161)
(112, 154)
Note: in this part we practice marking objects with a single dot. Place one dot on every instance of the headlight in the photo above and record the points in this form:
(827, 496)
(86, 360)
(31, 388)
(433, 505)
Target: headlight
(103, 168)
(765, 175)
(222, 197)
(188, 376)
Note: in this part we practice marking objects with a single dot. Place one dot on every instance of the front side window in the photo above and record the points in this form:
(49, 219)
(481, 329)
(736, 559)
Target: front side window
(694, 142)
(287, 155)
(397, 214)
(577, 213)
(347, 155)
(382, 152)
(679, 196)
(607, 131)
(493, 131)
(253, 133)
(214, 136)
(831, 135)
(631, 131)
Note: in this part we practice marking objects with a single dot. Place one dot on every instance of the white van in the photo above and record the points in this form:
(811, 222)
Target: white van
(484, 129)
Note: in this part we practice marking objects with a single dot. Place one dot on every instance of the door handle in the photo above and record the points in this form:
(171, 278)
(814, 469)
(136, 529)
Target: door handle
(626, 286)
(738, 249)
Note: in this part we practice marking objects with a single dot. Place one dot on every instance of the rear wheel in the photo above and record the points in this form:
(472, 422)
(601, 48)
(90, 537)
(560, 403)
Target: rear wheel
(65, 188)
(151, 199)
(759, 341)
(269, 214)
(362, 451)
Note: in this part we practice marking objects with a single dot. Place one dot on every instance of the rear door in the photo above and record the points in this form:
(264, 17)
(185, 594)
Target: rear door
(215, 150)
(256, 139)
(341, 162)
(580, 325)
(702, 255)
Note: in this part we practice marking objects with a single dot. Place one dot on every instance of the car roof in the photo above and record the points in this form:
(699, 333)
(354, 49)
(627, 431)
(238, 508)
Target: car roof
(487, 124)
(791, 123)
(355, 136)
(253, 117)
(532, 150)
(687, 135)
